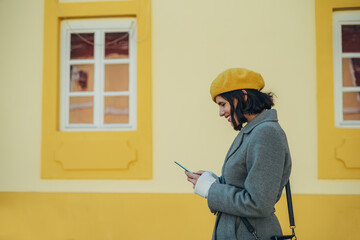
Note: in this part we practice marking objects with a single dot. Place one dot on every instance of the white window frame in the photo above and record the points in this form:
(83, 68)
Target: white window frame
(98, 27)
(342, 18)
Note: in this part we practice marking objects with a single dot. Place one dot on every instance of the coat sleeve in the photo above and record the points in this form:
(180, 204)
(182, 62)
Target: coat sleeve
(265, 165)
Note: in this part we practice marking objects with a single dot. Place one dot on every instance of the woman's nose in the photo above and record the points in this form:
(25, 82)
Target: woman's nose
(221, 112)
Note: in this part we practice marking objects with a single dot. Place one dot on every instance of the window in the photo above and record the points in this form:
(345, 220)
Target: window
(98, 75)
(338, 128)
(97, 99)
(346, 37)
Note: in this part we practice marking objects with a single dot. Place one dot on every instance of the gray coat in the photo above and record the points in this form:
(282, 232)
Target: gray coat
(255, 171)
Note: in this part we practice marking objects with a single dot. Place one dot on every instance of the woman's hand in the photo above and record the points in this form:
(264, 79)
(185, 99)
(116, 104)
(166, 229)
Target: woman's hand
(193, 177)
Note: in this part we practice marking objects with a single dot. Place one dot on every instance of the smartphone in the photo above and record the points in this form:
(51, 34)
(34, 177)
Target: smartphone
(181, 166)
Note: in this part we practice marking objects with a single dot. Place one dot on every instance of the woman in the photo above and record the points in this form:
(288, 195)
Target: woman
(257, 165)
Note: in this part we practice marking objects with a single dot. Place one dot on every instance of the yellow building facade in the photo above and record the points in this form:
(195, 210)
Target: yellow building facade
(182, 46)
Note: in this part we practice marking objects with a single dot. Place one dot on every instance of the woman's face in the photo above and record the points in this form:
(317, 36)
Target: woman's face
(225, 109)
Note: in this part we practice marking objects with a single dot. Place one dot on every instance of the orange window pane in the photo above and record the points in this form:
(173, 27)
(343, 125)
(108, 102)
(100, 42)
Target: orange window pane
(81, 110)
(82, 78)
(351, 72)
(117, 45)
(82, 46)
(351, 106)
(350, 35)
(116, 77)
(116, 110)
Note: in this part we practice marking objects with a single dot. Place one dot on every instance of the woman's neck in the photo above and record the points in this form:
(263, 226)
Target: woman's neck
(250, 117)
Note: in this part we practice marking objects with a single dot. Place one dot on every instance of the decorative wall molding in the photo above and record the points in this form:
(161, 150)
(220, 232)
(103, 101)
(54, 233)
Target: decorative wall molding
(349, 152)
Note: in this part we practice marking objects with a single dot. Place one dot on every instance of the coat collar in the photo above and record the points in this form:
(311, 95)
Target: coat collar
(265, 116)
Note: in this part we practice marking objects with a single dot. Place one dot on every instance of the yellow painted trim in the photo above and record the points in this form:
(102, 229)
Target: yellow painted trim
(99, 155)
(329, 137)
(43, 216)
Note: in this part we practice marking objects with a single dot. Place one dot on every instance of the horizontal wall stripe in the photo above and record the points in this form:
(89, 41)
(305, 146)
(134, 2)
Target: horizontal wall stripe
(81, 216)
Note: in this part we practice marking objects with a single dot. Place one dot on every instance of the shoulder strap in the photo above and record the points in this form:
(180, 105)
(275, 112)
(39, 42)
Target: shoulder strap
(251, 229)
(290, 209)
(290, 206)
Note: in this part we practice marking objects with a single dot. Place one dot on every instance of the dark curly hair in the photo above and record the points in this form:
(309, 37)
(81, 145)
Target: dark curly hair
(256, 103)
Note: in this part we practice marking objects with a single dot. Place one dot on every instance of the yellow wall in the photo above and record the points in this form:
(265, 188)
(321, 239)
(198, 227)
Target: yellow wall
(192, 41)
(89, 216)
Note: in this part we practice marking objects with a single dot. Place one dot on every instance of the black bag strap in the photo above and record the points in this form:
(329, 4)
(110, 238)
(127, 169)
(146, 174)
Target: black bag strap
(251, 229)
(290, 206)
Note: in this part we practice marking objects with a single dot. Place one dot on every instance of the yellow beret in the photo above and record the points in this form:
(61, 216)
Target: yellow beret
(235, 79)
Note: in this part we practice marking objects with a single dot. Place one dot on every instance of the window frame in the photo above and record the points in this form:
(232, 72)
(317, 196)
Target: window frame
(86, 155)
(98, 26)
(342, 18)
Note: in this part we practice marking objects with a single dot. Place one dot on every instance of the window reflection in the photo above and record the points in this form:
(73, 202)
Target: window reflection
(351, 106)
(116, 77)
(81, 110)
(351, 72)
(82, 46)
(81, 77)
(117, 45)
(350, 35)
(116, 110)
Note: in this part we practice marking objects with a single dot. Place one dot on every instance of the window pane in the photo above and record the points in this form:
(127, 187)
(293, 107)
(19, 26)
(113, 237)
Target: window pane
(82, 46)
(81, 110)
(351, 72)
(116, 109)
(351, 106)
(350, 38)
(116, 77)
(81, 77)
(117, 45)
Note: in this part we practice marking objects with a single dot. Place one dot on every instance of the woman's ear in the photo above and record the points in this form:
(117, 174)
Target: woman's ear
(245, 93)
